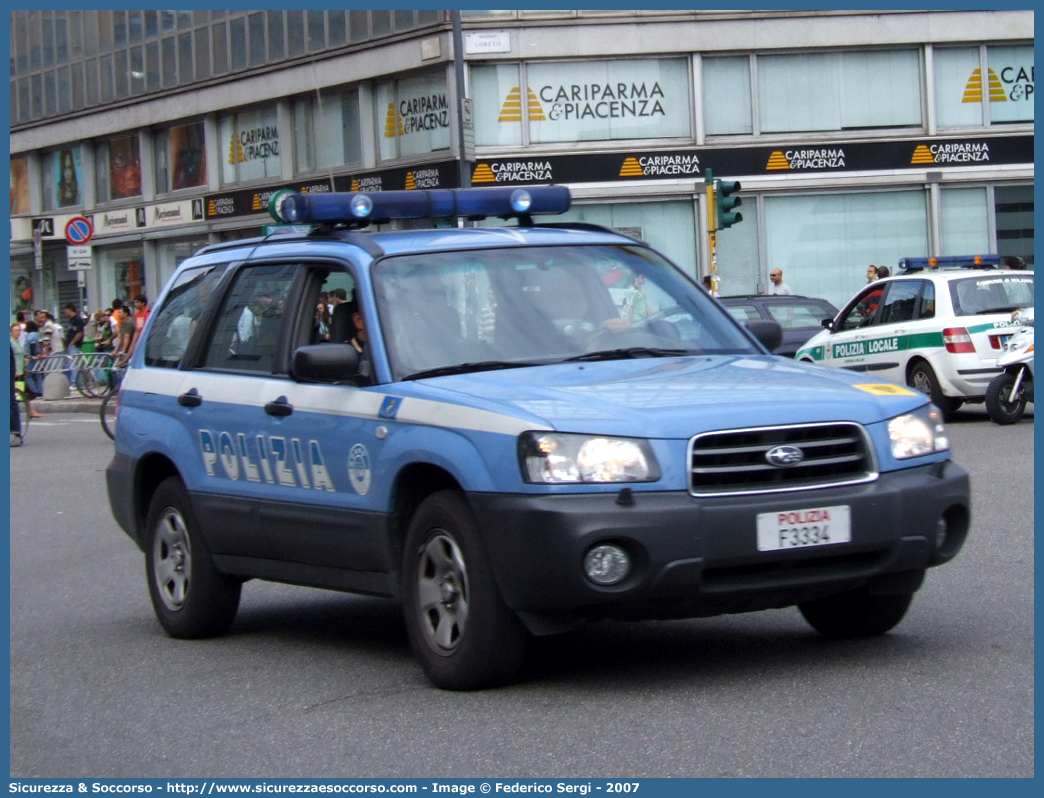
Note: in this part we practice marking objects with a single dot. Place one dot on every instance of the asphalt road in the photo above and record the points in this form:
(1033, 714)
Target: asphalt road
(317, 684)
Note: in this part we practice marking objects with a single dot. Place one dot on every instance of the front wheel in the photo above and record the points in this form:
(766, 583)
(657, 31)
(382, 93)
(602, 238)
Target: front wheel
(109, 406)
(1000, 404)
(923, 379)
(192, 599)
(460, 630)
(856, 614)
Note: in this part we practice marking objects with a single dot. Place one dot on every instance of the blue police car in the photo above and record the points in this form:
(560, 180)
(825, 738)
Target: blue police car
(512, 430)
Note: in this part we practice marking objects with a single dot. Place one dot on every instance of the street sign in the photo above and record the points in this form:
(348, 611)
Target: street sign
(79, 230)
(78, 258)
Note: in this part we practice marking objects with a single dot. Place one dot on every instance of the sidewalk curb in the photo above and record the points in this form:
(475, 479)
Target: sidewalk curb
(71, 405)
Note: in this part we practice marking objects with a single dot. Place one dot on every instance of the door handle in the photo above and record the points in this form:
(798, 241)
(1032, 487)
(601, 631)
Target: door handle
(190, 398)
(279, 407)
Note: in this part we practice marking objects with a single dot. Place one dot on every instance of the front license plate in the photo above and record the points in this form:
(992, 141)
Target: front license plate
(795, 529)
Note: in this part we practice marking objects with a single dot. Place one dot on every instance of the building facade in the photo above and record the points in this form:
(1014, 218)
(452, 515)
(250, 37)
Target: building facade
(857, 137)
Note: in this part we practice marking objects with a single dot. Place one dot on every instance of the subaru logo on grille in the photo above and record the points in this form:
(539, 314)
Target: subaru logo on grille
(784, 456)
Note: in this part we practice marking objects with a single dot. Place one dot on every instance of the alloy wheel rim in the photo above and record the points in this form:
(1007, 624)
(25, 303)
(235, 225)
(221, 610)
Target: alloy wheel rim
(172, 560)
(443, 594)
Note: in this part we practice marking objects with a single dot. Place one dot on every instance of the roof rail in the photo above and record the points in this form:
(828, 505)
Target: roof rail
(949, 262)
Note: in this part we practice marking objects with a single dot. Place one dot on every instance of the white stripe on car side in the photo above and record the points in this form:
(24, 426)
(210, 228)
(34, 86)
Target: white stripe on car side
(253, 391)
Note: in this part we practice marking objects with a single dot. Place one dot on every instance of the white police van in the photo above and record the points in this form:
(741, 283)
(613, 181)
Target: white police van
(488, 430)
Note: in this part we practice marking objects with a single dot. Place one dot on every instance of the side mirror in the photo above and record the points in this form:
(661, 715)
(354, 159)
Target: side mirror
(828, 324)
(325, 363)
(768, 332)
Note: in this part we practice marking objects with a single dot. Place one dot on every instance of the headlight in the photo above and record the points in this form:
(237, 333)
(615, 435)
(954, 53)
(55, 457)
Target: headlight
(559, 458)
(918, 433)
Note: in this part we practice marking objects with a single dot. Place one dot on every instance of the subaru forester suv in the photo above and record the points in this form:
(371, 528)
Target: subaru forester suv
(492, 429)
(938, 326)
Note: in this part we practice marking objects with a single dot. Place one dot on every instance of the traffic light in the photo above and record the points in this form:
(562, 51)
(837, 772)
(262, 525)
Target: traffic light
(724, 215)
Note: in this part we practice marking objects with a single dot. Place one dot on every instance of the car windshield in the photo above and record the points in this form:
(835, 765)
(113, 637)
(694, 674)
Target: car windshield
(1000, 293)
(447, 312)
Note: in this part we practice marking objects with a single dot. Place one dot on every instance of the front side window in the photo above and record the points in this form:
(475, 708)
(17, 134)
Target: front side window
(901, 303)
(247, 331)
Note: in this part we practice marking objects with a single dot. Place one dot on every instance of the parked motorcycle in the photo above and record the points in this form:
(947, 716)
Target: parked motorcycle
(1010, 391)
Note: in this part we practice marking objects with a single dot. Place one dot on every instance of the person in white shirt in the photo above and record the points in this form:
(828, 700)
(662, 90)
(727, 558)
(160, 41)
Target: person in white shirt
(778, 287)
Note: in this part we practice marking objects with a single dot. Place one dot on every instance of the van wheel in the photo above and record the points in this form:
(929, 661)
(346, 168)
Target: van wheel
(856, 613)
(191, 598)
(460, 630)
(923, 379)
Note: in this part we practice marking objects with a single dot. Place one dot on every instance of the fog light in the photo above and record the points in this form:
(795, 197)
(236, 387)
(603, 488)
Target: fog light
(941, 531)
(607, 564)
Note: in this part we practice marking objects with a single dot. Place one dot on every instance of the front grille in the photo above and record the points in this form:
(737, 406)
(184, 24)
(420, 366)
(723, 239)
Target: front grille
(735, 461)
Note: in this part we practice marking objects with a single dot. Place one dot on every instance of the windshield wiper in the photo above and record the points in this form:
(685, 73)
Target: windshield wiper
(999, 310)
(628, 352)
(465, 368)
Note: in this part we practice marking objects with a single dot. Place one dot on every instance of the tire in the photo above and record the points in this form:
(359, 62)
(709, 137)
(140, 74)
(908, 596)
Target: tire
(90, 384)
(923, 379)
(1000, 408)
(24, 411)
(107, 412)
(856, 614)
(191, 598)
(460, 630)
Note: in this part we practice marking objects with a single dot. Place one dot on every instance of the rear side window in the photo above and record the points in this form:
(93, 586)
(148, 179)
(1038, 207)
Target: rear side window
(798, 315)
(743, 312)
(175, 320)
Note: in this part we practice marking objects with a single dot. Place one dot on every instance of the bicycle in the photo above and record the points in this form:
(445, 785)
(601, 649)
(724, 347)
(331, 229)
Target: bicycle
(92, 373)
(110, 405)
(25, 413)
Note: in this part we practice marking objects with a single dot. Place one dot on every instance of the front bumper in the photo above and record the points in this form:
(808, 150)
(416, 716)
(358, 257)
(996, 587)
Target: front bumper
(698, 556)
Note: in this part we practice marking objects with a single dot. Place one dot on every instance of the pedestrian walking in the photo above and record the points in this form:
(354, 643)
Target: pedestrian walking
(777, 287)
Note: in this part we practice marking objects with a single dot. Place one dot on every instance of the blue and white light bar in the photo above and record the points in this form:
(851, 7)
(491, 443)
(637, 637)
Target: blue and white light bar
(950, 262)
(361, 208)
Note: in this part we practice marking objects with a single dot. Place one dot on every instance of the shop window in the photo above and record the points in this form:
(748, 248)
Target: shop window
(327, 131)
(964, 221)
(19, 185)
(62, 179)
(971, 94)
(181, 158)
(118, 169)
(413, 116)
(1013, 68)
(251, 140)
(582, 101)
(823, 242)
(727, 104)
(839, 91)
